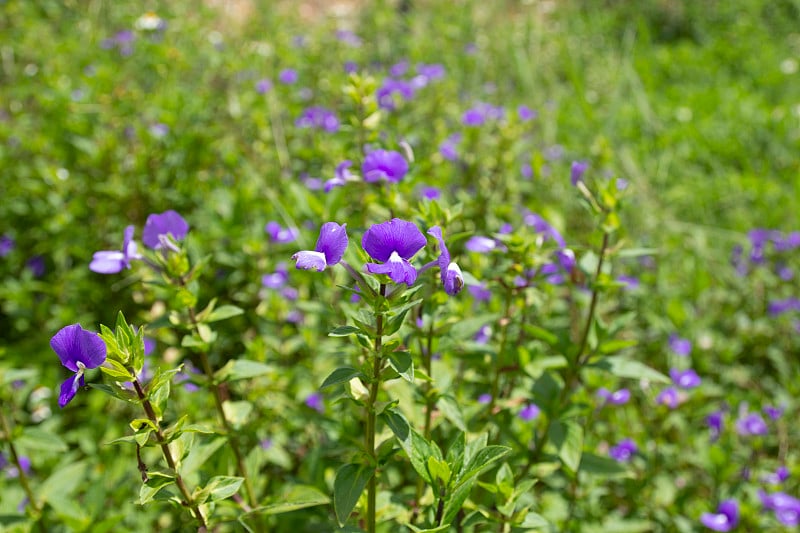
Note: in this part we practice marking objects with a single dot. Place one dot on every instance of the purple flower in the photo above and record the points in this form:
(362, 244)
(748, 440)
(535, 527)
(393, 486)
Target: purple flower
(620, 397)
(392, 91)
(12, 471)
(680, 346)
(279, 234)
(263, 86)
(668, 397)
(786, 508)
(159, 228)
(314, 401)
(330, 247)
(430, 193)
(277, 279)
(112, 262)
(529, 412)
(540, 225)
(341, 175)
(725, 519)
(480, 292)
(288, 76)
(482, 245)
(452, 278)
(750, 424)
(715, 423)
(525, 113)
(481, 113)
(348, 37)
(384, 165)
(428, 73)
(319, 118)
(773, 412)
(685, 379)
(788, 242)
(577, 170)
(483, 335)
(623, 450)
(449, 147)
(780, 475)
(526, 170)
(778, 307)
(78, 350)
(6, 245)
(350, 67)
(629, 282)
(485, 398)
(393, 242)
(36, 265)
(159, 130)
(185, 377)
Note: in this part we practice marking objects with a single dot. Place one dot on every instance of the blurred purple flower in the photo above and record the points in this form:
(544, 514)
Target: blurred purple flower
(12, 471)
(540, 225)
(629, 282)
(778, 477)
(482, 245)
(481, 113)
(279, 234)
(392, 92)
(725, 519)
(778, 307)
(430, 193)
(348, 37)
(480, 292)
(399, 68)
(526, 170)
(773, 412)
(785, 507)
(112, 262)
(685, 379)
(341, 176)
(158, 130)
(668, 397)
(623, 450)
(529, 412)
(288, 76)
(350, 67)
(7, 245)
(314, 401)
(449, 147)
(393, 243)
(526, 114)
(330, 248)
(750, 424)
(715, 423)
(483, 334)
(620, 397)
(263, 86)
(788, 242)
(384, 165)
(277, 279)
(78, 350)
(122, 41)
(577, 170)
(679, 345)
(427, 73)
(36, 265)
(184, 376)
(485, 398)
(319, 118)
(159, 227)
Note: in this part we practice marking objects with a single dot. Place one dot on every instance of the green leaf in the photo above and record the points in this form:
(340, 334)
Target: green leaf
(35, 438)
(628, 368)
(341, 375)
(438, 469)
(534, 520)
(198, 455)
(617, 345)
(223, 487)
(116, 370)
(541, 334)
(452, 411)
(237, 412)
(149, 490)
(403, 364)
(62, 482)
(237, 369)
(293, 498)
(343, 331)
(223, 313)
(567, 437)
(347, 488)
(602, 466)
(482, 461)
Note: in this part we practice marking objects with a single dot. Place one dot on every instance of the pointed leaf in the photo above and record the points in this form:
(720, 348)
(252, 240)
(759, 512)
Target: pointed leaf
(347, 488)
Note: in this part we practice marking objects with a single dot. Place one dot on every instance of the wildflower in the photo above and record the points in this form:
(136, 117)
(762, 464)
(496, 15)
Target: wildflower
(449, 147)
(392, 91)
(540, 225)
(526, 114)
(530, 412)
(786, 508)
(6, 245)
(288, 76)
(122, 41)
(328, 251)
(725, 519)
(685, 379)
(277, 279)
(399, 68)
(78, 350)
(577, 170)
(773, 412)
(629, 282)
(680, 346)
(384, 165)
(480, 292)
(780, 475)
(314, 401)
(263, 86)
(778, 307)
(481, 244)
(348, 38)
(669, 397)
(393, 242)
(341, 175)
(751, 424)
(526, 170)
(485, 398)
(481, 113)
(111, 262)
(619, 397)
(452, 278)
(430, 193)
(623, 450)
(158, 130)
(715, 424)
(319, 118)
(36, 265)
(427, 73)
(279, 234)
(158, 228)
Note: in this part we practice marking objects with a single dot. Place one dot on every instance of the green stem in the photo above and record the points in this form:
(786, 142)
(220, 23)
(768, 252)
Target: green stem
(187, 496)
(372, 485)
(498, 363)
(23, 479)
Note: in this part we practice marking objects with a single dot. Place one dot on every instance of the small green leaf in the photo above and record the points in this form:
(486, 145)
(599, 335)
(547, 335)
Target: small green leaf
(343, 331)
(534, 520)
(116, 370)
(567, 437)
(149, 490)
(628, 368)
(217, 488)
(403, 364)
(452, 411)
(482, 461)
(223, 313)
(347, 488)
(438, 469)
(237, 412)
(35, 438)
(341, 375)
(293, 498)
(237, 369)
(601, 466)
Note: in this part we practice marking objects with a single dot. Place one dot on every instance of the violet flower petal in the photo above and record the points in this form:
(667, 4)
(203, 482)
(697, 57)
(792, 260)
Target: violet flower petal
(166, 223)
(396, 235)
(74, 344)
